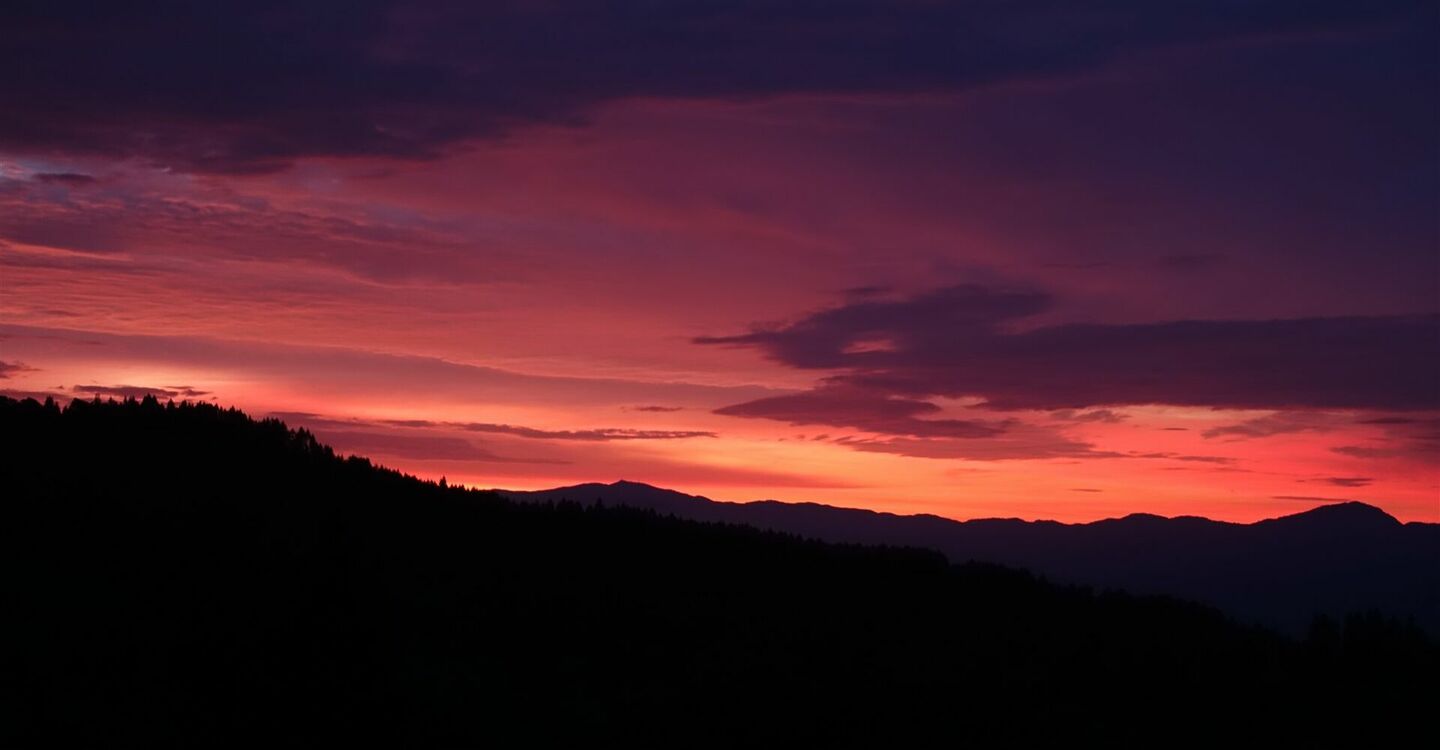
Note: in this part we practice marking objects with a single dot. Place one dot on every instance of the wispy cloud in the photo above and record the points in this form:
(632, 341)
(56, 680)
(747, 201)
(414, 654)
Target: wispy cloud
(140, 391)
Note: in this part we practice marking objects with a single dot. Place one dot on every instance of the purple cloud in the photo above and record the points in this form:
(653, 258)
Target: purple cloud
(423, 447)
(597, 434)
(1410, 438)
(316, 421)
(21, 395)
(68, 179)
(140, 391)
(1272, 424)
(1347, 481)
(862, 410)
(232, 86)
(1167, 455)
(1019, 443)
(1105, 416)
(10, 368)
(964, 341)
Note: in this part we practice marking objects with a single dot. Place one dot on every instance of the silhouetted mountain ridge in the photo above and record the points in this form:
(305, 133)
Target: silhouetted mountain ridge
(182, 575)
(1333, 559)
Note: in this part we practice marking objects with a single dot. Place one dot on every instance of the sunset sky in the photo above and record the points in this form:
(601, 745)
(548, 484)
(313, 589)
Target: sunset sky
(976, 259)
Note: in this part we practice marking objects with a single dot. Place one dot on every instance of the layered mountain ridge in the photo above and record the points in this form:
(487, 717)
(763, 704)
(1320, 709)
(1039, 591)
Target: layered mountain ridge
(1281, 572)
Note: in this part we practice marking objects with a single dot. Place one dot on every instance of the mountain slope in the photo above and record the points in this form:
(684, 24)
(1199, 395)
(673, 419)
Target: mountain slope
(183, 575)
(1332, 560)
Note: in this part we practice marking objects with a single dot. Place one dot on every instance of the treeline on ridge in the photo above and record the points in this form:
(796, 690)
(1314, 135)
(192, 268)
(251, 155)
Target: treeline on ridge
(181, 573)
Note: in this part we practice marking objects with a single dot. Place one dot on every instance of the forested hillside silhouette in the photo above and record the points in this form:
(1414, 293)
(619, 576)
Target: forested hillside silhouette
(180, 574)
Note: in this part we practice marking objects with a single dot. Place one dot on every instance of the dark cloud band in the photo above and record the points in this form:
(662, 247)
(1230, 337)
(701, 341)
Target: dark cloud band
(251, 86)
(964, 342)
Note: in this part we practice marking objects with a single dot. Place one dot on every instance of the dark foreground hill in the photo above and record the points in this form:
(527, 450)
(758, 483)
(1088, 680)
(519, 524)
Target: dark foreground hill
(183, 576)
(1332, 560)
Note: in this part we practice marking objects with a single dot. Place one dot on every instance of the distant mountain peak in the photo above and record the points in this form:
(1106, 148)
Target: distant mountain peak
(1348, 515)
(1144, 517)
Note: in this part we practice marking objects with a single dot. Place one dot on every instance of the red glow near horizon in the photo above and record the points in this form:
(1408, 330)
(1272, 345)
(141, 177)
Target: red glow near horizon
(522, 315)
